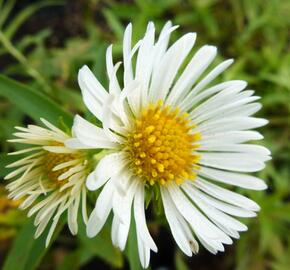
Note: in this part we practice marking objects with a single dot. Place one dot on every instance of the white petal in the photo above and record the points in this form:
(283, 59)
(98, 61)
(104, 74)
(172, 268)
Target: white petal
(101, 211)
(222, 98)
(236, 179)
(244, 110)
(227, 208)
(169, 66)
(194, 99)
(53, 128)
(140, 219)
(122, 206)
(144, 252)
(104, 172)
(215, 214)
(128, 74)
(226, 195)
(242, 148)
(73, 214)
(173, 218)
(114, 87)
(74, 143)
(50, 233)
(240, 162)
(200, 224)
(228, 109)
(91, 135)
(200, 61)
(93, 92)
(163, 40)
(230, 137)
(90, 83)
(145, 58)
(122, 201)
(119, 233)
(230, 124)
(94, 225)
(211, 76)
(230, 232)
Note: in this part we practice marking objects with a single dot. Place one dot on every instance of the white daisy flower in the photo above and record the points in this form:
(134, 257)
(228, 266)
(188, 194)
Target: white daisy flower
(50, 179)
(167, 128)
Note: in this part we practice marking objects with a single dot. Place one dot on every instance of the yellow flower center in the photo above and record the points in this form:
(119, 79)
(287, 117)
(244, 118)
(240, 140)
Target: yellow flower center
(53, 159)
(161, 145)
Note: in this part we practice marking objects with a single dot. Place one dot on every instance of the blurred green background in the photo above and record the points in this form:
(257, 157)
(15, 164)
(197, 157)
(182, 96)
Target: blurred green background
(44, 43)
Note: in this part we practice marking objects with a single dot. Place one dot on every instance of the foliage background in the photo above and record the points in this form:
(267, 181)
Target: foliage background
(44, 43)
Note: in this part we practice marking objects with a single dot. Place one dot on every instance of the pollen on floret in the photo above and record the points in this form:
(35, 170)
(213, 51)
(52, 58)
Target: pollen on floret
(161, 145)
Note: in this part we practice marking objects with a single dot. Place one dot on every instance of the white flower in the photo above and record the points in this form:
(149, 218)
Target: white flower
(166, 127)
(50, 179)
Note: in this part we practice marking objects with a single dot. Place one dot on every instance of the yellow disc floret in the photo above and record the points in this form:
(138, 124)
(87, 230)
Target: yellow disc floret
(161, 145)
(51, 160)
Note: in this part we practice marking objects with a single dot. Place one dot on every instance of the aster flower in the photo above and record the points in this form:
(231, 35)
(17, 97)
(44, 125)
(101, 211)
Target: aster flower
(168, 129)
(50, 179)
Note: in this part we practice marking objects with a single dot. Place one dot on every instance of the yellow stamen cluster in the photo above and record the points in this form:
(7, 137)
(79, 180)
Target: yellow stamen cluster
(161, 145)
(53, 159)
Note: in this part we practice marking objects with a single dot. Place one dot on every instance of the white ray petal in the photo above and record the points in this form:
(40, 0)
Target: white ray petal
(173, 217)
(145, 58)
(240, 162)
(104, 172)
(193, 99)
(225, 207)
(230, 137)
(91, 135)
(101, 211)
(128, 73)
(140, 218)
(169, 66)
(215, 214)
(224, 110)
(199, 62)
(226, 195)
(199, 223)
(236, 179)
(211, 76)
(144, 252)
(93, 92)
(230, 124)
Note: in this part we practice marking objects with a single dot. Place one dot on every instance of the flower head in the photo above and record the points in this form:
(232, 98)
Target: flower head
(167, 127)
(50, 179)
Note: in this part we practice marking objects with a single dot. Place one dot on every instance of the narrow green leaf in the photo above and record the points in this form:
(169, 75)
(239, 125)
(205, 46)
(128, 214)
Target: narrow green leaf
(26, 252)
(32, 102)
(6, 10)
(101, 246)
(114, 23)
(132, 249)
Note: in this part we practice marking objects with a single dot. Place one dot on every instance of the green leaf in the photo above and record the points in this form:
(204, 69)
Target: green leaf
(101, 246)
(132, 249)
(6, 10)
(71, 261)
(179, 262)
(26, 252)
(114, 23)
(32, 102)
(5, 160)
